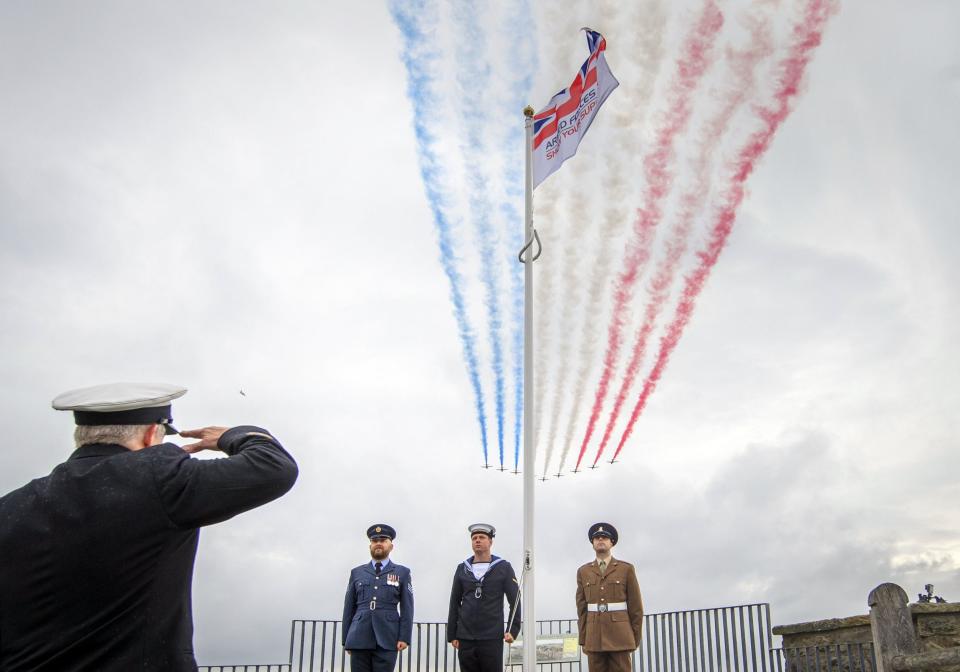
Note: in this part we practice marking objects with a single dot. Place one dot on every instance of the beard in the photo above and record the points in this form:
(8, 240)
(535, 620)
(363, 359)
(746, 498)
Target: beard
(378, 553)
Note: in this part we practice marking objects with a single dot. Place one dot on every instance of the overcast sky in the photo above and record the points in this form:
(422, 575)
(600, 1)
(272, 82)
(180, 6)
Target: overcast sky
(227, 195)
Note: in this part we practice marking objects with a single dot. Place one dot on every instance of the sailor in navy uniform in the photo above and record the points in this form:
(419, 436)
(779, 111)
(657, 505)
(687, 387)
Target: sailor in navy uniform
(373, 631)
(475, 623)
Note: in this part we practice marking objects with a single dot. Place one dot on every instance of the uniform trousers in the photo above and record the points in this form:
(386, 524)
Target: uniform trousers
(609, 661)
(481, 655)
(373, 660)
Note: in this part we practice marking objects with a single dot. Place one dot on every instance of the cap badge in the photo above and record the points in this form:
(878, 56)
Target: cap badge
(379, 529)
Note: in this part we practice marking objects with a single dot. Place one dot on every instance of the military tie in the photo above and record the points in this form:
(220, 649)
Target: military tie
(378, 567)
(603, 567)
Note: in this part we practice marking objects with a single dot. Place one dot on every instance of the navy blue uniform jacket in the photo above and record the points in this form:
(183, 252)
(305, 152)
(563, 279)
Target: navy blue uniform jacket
(472, 617)
(370, 618)
(96, 559)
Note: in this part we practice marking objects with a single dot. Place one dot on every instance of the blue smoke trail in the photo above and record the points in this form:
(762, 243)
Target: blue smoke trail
(417, 55)
(473, 77)
(520, 35)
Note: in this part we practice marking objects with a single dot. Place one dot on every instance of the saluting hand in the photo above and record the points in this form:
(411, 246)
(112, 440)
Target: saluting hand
(401, 646)
(208, 438)
(508, 638)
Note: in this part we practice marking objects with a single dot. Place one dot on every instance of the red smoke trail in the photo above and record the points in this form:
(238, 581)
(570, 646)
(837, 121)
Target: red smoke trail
(743, 65)
(659, 179)
(807, 36)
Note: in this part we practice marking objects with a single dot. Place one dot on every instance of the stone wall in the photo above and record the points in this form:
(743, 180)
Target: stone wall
(938, 627)
(842, 644)
(837, 643)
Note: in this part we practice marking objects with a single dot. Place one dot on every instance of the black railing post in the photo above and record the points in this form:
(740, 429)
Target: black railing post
(700, 640)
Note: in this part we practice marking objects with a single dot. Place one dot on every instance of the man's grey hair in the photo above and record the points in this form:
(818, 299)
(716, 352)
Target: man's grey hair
(120, 434)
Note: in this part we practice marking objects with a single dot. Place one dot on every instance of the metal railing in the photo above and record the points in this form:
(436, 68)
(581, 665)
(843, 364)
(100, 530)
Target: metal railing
(852, 657)
(563, 626)
(724, 639)
(264, 667)
(315, 646)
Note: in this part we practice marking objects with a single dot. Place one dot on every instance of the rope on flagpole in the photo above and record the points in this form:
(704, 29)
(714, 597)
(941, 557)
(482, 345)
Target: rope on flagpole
(530, 240)
(513, 613)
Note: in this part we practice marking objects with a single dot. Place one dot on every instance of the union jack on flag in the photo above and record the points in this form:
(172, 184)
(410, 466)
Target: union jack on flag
(558, 128)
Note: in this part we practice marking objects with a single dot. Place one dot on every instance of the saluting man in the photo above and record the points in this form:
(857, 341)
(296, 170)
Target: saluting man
(609, 606)
(97, 557)
(475, 620)
(373, 631)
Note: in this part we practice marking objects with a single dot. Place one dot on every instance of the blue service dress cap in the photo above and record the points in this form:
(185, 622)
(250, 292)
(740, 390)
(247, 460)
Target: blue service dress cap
(483, 528)
(603, 530)
(122, 404)
(381, 531)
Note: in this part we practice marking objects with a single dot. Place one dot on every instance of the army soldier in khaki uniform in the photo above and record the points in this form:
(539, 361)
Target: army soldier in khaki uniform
(609, 607)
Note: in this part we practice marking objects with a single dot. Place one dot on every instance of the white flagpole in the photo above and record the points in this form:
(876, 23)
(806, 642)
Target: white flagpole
(528, 614)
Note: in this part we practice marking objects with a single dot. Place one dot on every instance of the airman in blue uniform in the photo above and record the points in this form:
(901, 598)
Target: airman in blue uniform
(378, 607)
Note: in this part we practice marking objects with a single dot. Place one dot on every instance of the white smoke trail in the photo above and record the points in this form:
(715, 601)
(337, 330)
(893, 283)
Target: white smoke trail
(736, 87)
(416, 21)
(560, 22)
(637, 39)
(806, 36)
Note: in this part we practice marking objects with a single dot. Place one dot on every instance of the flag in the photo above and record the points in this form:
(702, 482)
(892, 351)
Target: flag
(558, 128)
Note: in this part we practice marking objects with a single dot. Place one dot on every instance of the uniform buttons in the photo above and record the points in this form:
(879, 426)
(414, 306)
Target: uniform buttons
(601, 587)
(376, 587)
(374, 598)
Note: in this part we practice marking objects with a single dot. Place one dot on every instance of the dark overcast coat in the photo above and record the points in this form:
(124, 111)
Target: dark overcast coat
(471, 617)
(96, 559)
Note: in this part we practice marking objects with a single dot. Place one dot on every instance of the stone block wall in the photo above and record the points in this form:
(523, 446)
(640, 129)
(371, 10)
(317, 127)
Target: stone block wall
(846, 644)
(938, 627)
(836, 644)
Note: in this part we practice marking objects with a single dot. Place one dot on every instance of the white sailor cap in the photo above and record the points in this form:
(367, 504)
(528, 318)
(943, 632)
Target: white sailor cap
(122, 404)
(483, 528)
